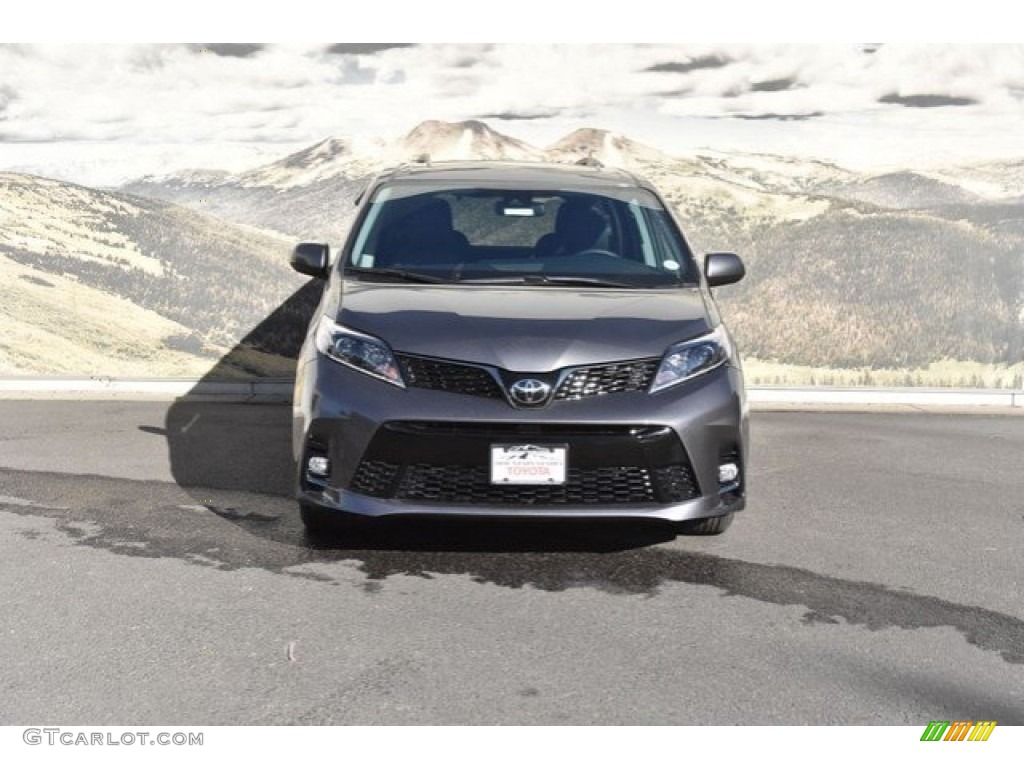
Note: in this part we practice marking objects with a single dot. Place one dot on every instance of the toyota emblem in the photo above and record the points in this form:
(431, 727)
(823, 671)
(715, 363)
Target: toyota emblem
(530, 391)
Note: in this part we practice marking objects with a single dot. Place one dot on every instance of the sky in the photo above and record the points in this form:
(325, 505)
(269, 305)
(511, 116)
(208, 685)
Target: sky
(102, 114)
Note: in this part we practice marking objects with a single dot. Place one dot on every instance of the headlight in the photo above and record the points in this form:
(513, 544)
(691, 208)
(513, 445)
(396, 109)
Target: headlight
(357, 350)
(691, 358)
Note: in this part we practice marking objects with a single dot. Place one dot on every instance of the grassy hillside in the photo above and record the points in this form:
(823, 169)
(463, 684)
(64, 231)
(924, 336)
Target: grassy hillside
(856, 288)
(103, 284)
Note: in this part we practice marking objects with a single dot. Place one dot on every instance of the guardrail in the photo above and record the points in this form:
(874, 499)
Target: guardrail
(59, 387)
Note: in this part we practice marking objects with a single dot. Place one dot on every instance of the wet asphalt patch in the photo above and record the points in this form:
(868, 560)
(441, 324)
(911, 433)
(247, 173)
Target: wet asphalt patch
(158, 520)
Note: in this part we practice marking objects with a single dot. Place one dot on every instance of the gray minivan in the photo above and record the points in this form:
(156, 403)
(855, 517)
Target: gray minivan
(518, 340)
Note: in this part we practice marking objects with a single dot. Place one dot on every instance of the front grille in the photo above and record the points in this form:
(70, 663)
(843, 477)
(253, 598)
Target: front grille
(605, 379)
(454, 484)
(477, 381)
(428, 373)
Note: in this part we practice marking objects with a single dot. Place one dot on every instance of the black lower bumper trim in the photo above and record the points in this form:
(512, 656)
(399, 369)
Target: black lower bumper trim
(447, 463)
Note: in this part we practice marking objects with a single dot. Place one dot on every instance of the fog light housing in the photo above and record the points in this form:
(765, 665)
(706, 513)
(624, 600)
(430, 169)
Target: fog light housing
(728, 473)
(318, 465)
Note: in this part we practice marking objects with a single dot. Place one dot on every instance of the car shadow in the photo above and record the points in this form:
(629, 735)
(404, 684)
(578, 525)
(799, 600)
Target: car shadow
(220, 446)
(495, 535)
(215, 443)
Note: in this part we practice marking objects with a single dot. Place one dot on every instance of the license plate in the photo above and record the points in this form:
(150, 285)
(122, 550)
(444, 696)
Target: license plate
(527, 464)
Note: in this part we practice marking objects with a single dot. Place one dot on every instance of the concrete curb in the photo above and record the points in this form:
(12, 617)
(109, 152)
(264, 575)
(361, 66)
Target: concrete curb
(72, 388)
(1006, 398)
(280, 390)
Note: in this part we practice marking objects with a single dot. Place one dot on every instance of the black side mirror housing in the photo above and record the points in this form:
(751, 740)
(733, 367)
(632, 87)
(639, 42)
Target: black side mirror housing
(310, 259)
(723, 268)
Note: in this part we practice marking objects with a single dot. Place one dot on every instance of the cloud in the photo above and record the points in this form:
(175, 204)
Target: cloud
(353, 74)
(926, 100)
(291, 93)
(677, 93)
(364, 48)
(508, 115)
(984, 74)
(777, 116)
(230, 50)
(7, 95)
(770, 86)
(692, 65)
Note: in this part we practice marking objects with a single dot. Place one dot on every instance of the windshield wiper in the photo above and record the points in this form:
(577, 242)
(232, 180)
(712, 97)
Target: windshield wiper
(401, 274)
(549, 280)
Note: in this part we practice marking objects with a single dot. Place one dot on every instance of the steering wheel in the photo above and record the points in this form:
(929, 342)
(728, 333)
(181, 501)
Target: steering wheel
(597, 252)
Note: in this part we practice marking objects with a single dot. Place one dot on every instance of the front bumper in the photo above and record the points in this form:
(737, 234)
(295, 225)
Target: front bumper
(425, 452)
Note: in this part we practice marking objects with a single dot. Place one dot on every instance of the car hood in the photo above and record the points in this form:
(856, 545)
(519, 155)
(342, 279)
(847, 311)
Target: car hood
(524, 329)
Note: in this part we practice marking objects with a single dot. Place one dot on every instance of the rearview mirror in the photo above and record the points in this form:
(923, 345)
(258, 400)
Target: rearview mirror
(723, 268)
(519, 207)
(310, 259)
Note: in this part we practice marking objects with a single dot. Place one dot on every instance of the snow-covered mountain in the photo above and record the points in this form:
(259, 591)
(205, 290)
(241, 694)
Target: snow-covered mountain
(608, 148)
(322, 160)
(328, 160)
(308, 194)
(438, 141)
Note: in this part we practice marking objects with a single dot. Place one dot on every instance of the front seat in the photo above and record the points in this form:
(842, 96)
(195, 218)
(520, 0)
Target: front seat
(423, 236)
(578, 227)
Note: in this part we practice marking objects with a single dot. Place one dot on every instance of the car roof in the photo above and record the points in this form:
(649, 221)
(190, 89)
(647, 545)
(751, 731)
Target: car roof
(548, 175)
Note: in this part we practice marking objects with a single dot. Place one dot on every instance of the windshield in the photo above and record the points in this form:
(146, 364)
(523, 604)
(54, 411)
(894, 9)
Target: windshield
(619, 237)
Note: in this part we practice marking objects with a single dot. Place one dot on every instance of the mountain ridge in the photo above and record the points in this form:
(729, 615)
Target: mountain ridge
(792, 220)
(437, 140)
(844, 268)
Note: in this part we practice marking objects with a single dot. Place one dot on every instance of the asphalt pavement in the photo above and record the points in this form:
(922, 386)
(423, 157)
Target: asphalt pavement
(153, 570)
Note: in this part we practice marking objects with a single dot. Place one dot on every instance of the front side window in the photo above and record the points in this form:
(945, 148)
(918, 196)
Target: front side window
(616, 236)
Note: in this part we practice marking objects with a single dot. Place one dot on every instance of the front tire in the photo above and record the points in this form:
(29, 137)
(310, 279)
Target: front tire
(706, 526)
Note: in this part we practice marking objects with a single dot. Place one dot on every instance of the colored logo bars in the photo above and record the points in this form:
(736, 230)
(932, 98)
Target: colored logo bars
(958, 730)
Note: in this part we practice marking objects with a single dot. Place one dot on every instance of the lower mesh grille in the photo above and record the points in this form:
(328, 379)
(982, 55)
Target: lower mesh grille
(676, 482)
(441, 483)
(375, 478)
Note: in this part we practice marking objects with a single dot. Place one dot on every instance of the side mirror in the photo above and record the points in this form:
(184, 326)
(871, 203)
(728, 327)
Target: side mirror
(310, 259)
(723, 268)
